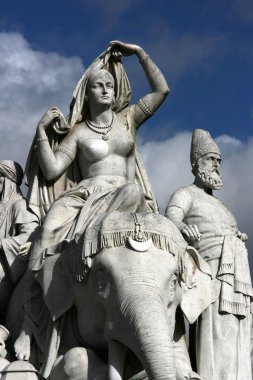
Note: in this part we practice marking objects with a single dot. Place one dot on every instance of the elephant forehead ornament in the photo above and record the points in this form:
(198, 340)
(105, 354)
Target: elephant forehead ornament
(138, 241)
(139, 231)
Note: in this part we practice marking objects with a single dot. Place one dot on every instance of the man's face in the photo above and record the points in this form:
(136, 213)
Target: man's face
(209, 171)
(1, 184)
(100, 88)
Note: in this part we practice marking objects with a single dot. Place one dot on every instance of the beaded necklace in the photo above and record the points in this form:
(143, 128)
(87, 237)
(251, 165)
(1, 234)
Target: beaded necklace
(101, 130)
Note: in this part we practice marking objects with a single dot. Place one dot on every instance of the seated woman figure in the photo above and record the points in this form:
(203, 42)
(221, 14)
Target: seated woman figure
(103, 146)
(100, 139)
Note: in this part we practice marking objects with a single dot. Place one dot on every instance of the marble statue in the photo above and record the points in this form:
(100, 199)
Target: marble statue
(109, 280)
(100, 141)
(139, 265)
(17, 224)
(88, 163)
(19, 370)
(220, 339)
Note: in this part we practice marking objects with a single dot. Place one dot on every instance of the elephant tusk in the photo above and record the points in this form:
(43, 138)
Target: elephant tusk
(117, 355)
(140, 246)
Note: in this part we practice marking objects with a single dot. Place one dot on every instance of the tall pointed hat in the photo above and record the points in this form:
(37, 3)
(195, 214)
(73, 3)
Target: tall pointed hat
(202, 143)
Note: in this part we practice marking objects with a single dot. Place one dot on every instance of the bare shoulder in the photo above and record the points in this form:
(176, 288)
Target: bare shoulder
(182, 196)
(75, 133)
(185, 191)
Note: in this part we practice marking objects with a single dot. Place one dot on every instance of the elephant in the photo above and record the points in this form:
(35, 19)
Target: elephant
(118, 286)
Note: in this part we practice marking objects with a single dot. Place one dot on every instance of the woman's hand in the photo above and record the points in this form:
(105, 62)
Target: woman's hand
(119, 48)
(52, 114)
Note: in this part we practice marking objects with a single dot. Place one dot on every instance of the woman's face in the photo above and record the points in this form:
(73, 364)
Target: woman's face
(100, 89)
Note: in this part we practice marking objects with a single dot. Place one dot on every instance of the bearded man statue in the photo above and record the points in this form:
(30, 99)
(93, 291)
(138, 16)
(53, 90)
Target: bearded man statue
(220, 339)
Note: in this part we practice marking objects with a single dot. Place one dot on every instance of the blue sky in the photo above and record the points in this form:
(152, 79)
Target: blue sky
(204, 49)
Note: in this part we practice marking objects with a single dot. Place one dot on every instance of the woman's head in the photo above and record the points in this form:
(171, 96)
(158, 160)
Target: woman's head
(11, 170)
(79, 107)
(100, 88)
(11, 175)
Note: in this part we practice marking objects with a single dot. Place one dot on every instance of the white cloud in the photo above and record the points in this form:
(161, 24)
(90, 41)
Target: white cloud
(30, 82)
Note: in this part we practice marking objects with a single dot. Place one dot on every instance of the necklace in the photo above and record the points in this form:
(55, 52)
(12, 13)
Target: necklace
(101, 130)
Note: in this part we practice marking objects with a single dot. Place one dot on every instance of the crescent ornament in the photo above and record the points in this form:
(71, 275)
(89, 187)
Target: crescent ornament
(140, 246)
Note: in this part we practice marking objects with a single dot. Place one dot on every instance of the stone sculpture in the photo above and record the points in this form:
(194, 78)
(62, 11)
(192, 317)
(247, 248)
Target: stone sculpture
(20, 370)
(127, 299)
(17, 224)
(100, 135)
(108, 277)
(221, 337)
(96, 160)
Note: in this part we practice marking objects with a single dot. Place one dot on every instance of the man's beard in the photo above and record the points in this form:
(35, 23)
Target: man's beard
(211, 179)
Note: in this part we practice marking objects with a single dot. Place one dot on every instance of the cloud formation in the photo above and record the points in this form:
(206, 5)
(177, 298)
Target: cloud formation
(31, 82)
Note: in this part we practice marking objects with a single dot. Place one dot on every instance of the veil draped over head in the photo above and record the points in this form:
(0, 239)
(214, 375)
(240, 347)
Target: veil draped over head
(11, 170)
(42, 193)
(13, 174)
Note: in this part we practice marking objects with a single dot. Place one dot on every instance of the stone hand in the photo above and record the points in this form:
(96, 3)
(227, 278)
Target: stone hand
(242, 236)
(191, 232)
(24, 249)
(119, 48)
(52, 114)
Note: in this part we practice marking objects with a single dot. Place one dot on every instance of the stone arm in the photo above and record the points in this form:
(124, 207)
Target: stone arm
(53, 164)
(148, 104)
(178, 208)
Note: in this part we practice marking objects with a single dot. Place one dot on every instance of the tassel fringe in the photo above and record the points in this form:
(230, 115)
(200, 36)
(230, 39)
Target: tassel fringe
(118, 239)
(235, 308)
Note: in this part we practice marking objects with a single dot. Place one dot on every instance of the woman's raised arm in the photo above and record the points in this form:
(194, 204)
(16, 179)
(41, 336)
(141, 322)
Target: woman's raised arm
(148, 104)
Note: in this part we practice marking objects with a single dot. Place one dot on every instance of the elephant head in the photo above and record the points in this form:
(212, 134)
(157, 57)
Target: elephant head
(129, 295)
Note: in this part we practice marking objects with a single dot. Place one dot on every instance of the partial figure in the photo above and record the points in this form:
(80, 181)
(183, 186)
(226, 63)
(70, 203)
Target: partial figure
(96, 161)
(20, 370)
(220, 339)
(17, 223)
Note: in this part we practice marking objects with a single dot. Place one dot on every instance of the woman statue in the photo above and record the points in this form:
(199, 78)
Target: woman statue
(102, 144)
(99, 144)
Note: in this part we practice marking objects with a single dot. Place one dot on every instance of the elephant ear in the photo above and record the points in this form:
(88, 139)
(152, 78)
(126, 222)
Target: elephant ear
(56, 280)
(196, 285)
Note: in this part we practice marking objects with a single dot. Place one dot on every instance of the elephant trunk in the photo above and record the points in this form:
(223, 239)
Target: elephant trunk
(146, 332)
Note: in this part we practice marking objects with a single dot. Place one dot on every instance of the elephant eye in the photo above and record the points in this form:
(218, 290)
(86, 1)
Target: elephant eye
(173, 283)
(100, 280)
